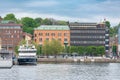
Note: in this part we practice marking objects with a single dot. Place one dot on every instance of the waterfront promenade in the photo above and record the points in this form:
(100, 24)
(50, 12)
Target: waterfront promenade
(79, 59)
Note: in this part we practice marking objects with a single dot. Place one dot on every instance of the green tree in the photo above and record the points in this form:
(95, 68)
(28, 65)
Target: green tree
(16, 49)
(100, 50)
(10, 17)
(28, 24)
(22, 42)
(38, 21)
(46, 48)
(53, 47)
(73, 49)
(81, 50)
(107, 23)
(61, 23)
(46, 22)
(114, 50)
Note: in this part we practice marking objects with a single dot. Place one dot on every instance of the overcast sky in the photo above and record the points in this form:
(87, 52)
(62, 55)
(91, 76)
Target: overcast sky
(69, 10)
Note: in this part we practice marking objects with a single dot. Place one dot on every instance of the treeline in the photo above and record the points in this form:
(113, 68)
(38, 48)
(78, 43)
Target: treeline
(79, 50)
(54, 47)
(88, 50)
(30, 23)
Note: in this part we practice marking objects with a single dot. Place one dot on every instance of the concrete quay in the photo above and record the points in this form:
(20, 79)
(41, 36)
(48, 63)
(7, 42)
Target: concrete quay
(79, 60)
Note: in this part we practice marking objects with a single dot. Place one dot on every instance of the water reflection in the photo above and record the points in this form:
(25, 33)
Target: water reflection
(82, 71)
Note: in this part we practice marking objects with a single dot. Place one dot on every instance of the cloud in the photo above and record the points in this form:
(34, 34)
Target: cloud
(19, 14)
(41, 3)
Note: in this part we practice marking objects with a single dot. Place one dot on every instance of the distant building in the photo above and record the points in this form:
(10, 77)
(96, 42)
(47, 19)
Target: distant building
(27, 37)
(89, 34)
(10, 34)
(49, 32)
(119, 41)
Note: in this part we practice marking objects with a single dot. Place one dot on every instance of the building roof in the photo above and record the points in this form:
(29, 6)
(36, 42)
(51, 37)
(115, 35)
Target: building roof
(24, 34)
(10, 25)
(82, 24)
(53, 27)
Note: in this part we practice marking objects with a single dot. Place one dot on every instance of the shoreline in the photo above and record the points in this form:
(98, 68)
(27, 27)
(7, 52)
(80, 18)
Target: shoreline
(76, 60)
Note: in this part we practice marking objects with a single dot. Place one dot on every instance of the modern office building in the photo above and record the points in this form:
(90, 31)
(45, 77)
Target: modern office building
(49, 32)
(10, 34)
(89, 34)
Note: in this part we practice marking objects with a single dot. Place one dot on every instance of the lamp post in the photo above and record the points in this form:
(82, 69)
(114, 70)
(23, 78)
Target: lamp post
(65, 43)
(40, 48)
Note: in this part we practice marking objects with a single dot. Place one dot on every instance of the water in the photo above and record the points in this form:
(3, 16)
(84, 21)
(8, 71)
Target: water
(82, 71)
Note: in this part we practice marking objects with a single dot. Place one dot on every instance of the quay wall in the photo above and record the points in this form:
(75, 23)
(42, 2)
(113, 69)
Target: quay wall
(62, 60)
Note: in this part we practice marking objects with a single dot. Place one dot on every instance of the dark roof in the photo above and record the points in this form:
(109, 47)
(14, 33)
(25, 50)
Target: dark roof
(82, 24)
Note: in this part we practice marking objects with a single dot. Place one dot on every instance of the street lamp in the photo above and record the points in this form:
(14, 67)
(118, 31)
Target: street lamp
(65, 43)
(40, 48)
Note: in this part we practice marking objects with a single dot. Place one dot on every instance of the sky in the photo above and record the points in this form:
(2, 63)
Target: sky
(68, 10)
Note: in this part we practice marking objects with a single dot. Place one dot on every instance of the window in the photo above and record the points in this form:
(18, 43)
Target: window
(15, 31)
(65, 39)
(65, 34)
(47, 34)
(40, 39)
(40, 34)
(11, 36)
(59, 34)
(53, 34)
(35, 35)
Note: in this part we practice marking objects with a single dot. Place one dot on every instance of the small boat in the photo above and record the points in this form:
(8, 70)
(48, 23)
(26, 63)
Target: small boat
(6, 58)
(27, 54)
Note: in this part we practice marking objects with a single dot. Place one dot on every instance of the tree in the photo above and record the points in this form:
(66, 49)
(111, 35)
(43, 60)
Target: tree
(10, 17)
(114, 50)
(73, 49)
(100, 50)
(28, 24)
(81, 50)
(52, 47)
(46, 48)
(28, 30)
(46, 22)
(61, 23)
(16, 49)
(38, 21)
(107, 24)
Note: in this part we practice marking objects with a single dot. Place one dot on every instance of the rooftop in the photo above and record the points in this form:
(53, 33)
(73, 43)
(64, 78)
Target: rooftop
(8, 23)
(83, 24)
(53, 27)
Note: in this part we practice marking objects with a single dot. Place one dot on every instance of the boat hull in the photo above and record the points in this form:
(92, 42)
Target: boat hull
(6, 63)
(24, 61)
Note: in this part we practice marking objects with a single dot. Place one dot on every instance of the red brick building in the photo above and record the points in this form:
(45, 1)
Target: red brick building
(10, 34)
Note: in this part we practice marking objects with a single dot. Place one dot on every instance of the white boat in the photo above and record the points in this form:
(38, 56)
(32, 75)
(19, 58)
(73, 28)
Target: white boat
(27, 54)
(6, 59)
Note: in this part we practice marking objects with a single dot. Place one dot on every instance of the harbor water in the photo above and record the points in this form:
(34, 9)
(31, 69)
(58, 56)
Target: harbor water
(71, 71)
